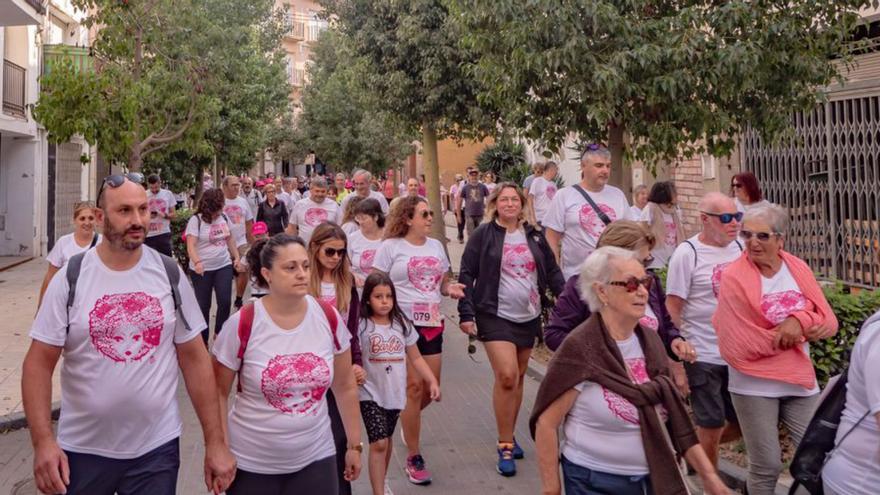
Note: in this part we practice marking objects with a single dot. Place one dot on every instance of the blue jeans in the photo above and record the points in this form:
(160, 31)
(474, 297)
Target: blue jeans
(579, 480)
(154, 473)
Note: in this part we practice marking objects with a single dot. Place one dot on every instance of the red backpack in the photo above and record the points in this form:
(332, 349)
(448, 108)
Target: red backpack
(246, 322)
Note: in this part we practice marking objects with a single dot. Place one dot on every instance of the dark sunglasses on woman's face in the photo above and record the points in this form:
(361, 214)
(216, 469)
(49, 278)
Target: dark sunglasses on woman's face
(427, 213)
(330, 252)
(632, 284)
(117, 180)
(736, 185)
(761, 236)
(726, 217)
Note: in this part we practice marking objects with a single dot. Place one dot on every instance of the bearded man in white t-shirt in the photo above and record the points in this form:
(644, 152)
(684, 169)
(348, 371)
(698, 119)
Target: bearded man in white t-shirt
(310, 212)
(123, 343)
(572, 225)
(241, 221)
(362, 180)
(693, 279)
(162, 205)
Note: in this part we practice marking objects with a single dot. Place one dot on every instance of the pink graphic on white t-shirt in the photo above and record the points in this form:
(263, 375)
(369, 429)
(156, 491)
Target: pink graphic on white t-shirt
(620, 407)
(295, 383)
(517, 260)
(234, 213)
(315, 216)
(217, 233)
(551, 191)
(424, 273)
(716, 276)
(366, 261)
(126, 327)
(534, 298)
(650, 322)
(590, 221)
(670, 234)
(157, 204)
(777, 306)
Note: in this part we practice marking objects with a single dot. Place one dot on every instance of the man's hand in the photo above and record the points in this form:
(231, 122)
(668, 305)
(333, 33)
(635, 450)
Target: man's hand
(352, 465)
(219, 467)
(788, 334)
(360, 374)
(51, 470)
(684, 350)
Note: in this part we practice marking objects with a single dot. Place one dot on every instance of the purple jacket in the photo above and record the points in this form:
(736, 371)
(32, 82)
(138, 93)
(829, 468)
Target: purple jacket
(570, 311)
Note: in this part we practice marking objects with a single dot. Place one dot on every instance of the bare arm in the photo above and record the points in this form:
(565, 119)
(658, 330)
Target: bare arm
(553, 239)
(224, 377)
(292, 229)
(345, 389)
(675, 305)
(50, 272)
(191, 248)
(530, 213)
(547, 441)
(712, 483)
(249, 231)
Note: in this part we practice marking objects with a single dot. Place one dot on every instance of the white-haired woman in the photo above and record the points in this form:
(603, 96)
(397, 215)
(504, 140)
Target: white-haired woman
(769, 307)
(615, 407)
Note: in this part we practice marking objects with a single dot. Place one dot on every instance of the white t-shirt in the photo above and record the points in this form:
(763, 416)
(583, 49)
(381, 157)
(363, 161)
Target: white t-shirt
(854, 469)
(279, 422)
(780, 297)
(635, 212)
(543, 192)
(350, 227)
(119, 372)
(328, 293)
(253, 200)
(383, 348)
(362, 253)
(211, 244)
(383, 203)
(697, 283)
(163, 201)
(573, 216)
(663, 248)
(417, 272)
(65, 248)
(518, 299)
(256, 290)
(239, 213)
(602, 430)
(650, 320)
(307, 215)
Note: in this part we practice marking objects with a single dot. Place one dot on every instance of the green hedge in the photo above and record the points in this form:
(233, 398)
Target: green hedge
(178, 225)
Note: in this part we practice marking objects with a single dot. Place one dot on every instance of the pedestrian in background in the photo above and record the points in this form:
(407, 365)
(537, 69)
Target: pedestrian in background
(83, 237)
(661, 215)
(640, 200)
(272, 211)
(364, 243)
(472, 201)
(745, 191)
(542, 191)
(162, 210)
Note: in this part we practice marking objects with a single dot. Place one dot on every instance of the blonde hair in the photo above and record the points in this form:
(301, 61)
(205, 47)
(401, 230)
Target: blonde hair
(80, 206)
(342, 278)
(492, 202)
(627, 234)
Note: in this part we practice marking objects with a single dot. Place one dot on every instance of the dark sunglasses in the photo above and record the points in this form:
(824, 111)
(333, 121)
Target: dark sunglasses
(330, 252)
(117, 180)
(736, 185)
(427, 213)
(726, 217)
(761, 236)
(632, 284)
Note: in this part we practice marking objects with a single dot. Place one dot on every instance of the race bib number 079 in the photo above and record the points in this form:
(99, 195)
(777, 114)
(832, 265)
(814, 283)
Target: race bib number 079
(426, 314)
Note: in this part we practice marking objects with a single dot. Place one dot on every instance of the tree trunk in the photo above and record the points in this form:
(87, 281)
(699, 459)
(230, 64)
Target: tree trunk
(621, 173)
(197, 191)
(135, 160)
(432, 180)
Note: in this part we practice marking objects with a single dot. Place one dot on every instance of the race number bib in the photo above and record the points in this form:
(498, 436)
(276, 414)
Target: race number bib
(155, 226)
(426, 314)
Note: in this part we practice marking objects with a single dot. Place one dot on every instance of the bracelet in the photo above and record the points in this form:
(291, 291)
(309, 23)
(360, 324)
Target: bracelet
(358, 447)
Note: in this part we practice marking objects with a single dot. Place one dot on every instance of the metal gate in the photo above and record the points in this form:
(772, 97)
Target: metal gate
(830, 181)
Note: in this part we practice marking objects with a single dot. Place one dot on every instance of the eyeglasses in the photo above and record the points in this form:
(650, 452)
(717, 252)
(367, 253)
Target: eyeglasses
(761, 236)
(117, 180)
(736, 185)
(726, 217)
(632, 284)
(427, 213)
(330, 252)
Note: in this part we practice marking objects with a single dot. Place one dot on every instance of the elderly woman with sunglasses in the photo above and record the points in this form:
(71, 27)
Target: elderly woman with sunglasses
(623, 419)
(769, 308)
(419, 268)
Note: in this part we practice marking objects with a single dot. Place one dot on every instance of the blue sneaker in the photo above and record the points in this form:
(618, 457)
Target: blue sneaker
(517, 450)
(506, 465)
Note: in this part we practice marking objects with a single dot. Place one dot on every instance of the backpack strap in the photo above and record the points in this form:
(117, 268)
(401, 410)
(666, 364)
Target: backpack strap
(600, 213)
(74, 265)
(173, 273)
(691, 244)
(738, 244)
(245, 325)
(330, 313)
(94, 241)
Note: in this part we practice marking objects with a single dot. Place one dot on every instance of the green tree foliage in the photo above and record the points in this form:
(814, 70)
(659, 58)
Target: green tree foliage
(342, 119)
(679, 78)
(501, 157)
(418, 72)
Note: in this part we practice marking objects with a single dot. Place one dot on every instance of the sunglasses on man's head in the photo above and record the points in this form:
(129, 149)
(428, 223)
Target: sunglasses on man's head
(761, 236)
(593, 147)
(726, 217)
(632, 284)
(117, 180)
(330, 252)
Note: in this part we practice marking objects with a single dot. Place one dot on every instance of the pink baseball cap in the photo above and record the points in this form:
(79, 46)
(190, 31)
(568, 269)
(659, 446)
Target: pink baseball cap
(260, 228)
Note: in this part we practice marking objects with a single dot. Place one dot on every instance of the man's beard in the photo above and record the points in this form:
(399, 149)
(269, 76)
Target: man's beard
(116, 238)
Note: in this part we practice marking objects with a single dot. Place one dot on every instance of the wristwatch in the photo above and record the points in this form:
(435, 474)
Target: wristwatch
(358, 447)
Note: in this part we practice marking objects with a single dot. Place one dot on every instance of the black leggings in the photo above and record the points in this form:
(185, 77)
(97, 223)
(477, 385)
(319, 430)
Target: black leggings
(220, 283)
(317, 477)
(341, 442)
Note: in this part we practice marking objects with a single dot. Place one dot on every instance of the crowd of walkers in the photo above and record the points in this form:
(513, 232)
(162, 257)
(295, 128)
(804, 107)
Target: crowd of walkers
(343, 331)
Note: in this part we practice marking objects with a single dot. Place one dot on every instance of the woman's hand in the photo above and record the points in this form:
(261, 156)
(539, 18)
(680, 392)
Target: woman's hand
(818, 332)
(434, 390)
(713, 485)
(788, 334)
(455, 290)
(468, 327)
(360, 375)
(199, 269)
(684, 350)
(352, 465)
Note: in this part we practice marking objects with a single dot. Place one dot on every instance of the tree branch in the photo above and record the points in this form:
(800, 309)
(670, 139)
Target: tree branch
(163, 138)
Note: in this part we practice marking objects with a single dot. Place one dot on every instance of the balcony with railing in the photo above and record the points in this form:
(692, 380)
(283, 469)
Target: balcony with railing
(298, 77)
(296, 30)
(14, 89)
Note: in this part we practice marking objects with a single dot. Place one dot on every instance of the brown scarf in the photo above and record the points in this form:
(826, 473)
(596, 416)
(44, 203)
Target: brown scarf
(590, 354)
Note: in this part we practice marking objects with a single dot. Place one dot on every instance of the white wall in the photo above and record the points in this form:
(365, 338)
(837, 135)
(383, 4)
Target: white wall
(19, 204)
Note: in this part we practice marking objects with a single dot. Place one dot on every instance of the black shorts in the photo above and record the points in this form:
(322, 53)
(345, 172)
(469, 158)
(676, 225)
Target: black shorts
(378, 421)
(318, 477)
(494, 328)
(429, 347)
(710, 399)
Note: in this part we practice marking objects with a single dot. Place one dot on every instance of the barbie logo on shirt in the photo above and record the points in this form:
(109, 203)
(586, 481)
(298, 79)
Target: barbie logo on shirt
(126, 327)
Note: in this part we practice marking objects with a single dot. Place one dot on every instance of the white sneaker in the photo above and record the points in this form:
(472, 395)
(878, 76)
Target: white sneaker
(388, 489)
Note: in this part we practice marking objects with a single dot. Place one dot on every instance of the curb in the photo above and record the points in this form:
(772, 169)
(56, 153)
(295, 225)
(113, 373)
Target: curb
(17, 263)
(16, 420)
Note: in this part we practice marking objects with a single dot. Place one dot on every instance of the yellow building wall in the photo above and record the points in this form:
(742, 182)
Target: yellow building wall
(455, 158)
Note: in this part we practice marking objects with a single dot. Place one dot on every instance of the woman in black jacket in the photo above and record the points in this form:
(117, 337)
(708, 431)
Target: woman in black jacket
(506, 268)
(273, 211)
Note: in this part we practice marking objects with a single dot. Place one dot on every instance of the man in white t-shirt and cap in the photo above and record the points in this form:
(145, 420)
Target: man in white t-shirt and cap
(310, 212)
(241, 221)
(362, 179)
(693, 279)
(578, 214)
(162, 205)
(123, 341)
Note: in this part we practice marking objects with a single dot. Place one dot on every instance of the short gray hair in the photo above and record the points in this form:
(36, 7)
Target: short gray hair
(639, 188)
(361, 171)
(774, 215)
(592, 154)
(319, 182)
(597, 269)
